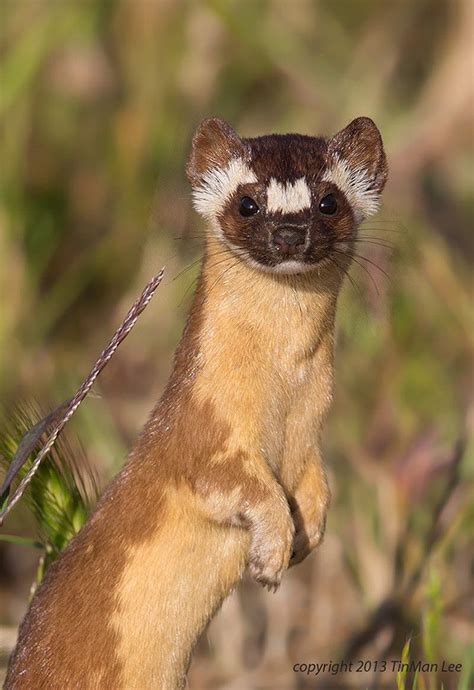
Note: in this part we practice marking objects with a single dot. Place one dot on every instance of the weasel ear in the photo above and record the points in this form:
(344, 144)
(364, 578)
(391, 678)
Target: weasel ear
(358, 166)
(214, 144)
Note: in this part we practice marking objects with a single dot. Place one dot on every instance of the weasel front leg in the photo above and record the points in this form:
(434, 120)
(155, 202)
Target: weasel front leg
(309, 506)
(257, 502)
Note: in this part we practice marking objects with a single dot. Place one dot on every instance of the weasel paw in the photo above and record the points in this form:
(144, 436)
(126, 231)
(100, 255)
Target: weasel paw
(309, 532)
(270, 557)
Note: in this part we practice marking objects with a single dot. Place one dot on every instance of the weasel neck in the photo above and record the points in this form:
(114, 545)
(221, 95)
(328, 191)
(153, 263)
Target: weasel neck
(280, 310)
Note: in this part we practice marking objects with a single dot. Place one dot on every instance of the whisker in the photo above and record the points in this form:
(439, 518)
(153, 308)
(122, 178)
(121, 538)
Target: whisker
(375, 241)
(364, 268)
(187, 268)
(213, 265)
(372, 263)
(351, 280)
(370, 235)
(377, 227)
(381, 220)
(371, 239)
(183, 238)
(221, 253)
(191, 284)
(219, 278)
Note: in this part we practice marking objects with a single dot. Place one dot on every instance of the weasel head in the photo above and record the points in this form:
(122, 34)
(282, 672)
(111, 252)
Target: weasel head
(286, 202)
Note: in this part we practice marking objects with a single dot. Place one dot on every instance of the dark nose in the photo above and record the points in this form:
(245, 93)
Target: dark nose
(288, 240)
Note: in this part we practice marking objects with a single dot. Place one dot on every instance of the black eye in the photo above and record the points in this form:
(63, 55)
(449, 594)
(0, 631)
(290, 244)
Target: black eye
(328, 204)
(248, 207)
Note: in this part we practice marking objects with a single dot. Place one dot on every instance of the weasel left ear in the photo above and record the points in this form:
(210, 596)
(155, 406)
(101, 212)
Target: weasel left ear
(214, 144)
(360, 146)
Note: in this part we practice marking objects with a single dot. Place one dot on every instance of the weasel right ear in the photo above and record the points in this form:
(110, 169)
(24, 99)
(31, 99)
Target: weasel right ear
(214, 145)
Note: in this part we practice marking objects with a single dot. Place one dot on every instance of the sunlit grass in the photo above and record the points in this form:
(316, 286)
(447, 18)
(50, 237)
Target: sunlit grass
(60, 495)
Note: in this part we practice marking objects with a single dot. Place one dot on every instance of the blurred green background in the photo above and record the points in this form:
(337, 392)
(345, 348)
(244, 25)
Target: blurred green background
(98, 102)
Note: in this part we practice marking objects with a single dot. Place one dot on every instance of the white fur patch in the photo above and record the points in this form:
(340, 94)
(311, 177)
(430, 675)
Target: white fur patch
(288, 198)
(290, 267)
(355, 184)
(218, 185)
(286, 267)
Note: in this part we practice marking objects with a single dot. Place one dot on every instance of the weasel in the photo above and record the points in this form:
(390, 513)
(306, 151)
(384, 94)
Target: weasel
(227, 473)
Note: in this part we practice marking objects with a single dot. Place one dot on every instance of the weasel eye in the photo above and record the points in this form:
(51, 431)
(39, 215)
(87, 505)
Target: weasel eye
(328, 205)
(248, 207)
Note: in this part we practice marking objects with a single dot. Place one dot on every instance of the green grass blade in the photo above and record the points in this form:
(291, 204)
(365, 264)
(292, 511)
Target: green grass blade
(23, 541)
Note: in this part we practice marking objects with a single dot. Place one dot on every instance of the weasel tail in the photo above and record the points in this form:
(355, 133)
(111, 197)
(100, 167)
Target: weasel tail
(227, 473)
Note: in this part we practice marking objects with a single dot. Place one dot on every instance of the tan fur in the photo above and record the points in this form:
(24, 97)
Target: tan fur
(227, 474)
(158, 660)
(261, 397)
(269, 395)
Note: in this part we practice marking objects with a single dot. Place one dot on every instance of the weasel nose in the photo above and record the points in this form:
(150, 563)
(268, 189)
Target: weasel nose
(288, 240)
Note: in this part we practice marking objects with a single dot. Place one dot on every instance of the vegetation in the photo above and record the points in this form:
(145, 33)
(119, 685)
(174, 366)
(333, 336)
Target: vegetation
(98, 102)
(61, 494)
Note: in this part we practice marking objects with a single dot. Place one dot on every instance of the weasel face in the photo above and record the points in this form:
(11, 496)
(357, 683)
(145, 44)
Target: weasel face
(284, 203)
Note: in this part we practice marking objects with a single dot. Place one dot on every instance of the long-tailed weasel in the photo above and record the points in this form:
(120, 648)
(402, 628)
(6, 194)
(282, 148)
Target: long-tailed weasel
(227, 473)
